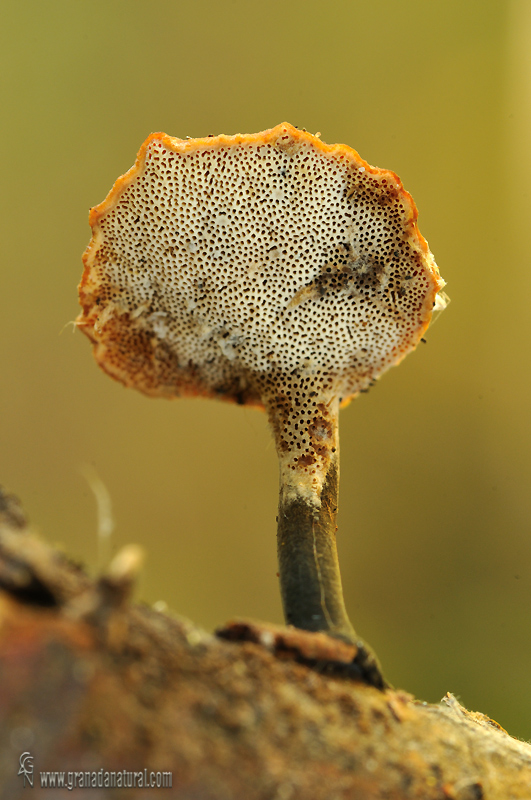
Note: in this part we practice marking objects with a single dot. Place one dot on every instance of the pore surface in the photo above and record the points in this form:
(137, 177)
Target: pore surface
(214, 267)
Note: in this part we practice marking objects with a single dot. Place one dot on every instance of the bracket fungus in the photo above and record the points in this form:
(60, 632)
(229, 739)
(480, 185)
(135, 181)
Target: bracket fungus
(274, 270)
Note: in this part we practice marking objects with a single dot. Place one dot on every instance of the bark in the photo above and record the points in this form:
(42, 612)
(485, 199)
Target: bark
(90, 682)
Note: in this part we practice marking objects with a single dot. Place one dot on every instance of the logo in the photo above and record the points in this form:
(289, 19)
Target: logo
(26, 768)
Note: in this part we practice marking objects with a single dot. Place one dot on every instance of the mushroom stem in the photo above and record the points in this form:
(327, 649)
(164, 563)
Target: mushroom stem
(310, 580)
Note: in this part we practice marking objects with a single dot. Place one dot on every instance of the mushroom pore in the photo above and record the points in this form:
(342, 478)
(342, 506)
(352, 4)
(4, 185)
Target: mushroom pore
(269, 269)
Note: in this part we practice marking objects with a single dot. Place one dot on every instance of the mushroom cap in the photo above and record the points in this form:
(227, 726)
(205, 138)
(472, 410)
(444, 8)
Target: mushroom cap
(254, 267)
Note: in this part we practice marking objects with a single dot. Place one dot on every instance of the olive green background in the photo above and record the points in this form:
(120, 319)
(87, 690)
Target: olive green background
(435, 506)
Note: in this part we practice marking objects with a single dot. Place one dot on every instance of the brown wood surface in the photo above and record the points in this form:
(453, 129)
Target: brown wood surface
(89, 681)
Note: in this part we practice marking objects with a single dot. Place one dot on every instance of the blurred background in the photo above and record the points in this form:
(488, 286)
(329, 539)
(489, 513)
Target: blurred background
(435, 511)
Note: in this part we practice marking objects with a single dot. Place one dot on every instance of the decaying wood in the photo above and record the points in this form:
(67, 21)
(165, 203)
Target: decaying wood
(89, 681)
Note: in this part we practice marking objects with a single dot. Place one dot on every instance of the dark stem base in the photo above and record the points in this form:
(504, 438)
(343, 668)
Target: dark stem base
(310, 581)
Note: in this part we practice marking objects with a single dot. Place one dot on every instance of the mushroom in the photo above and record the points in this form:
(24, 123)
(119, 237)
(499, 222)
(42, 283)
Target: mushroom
(273, 270)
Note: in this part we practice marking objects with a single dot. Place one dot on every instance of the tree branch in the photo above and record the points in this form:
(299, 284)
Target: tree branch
(89, 681)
